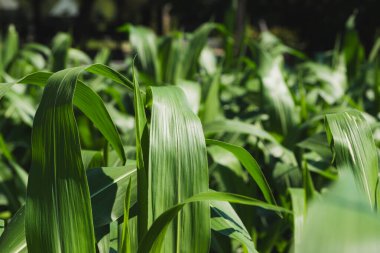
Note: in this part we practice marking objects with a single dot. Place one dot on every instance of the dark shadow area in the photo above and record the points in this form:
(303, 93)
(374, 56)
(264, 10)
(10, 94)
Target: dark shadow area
(307, 25)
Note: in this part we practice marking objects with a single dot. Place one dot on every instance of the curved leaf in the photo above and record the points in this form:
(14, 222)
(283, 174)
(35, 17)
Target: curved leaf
(226, 221)
(250, 165)
(93, 107)
(87, 100)
(235, 126)
(154, 238)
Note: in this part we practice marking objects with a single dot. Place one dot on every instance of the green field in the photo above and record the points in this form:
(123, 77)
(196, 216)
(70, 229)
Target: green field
(194, 142)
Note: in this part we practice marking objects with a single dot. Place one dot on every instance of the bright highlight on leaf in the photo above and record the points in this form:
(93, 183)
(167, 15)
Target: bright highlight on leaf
(215, 140)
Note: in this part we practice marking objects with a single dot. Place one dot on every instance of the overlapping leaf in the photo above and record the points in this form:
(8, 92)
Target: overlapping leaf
(178, 169)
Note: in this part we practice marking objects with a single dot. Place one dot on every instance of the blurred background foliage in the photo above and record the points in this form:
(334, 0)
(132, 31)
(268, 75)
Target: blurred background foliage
(265, 91)
(304, 24)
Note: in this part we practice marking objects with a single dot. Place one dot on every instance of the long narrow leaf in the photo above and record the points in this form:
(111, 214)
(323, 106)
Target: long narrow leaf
(354, 148)
(154, 238)
(226, 221)
(178, 169)
(250, 165)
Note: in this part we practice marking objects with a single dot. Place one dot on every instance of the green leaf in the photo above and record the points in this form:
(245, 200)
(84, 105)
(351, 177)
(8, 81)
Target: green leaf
(144, 42)
(10, 48)
(2, 226)
(250, 165)
(197, 42)
(342, 221)
(57, 187)
(317, 143)
(153, 240)
(13, 238)
(60, 48)
(226, 221)
(234, 126)
(354, 149)
(93, 107)
(352, 49)
(170, 55)
(103, 70)
(178, 169)
(107, 188)
(212, 108)
(141, 126)
(86, 100)
(277, 100)
(299, 213)
(125, 237)
(192, 91)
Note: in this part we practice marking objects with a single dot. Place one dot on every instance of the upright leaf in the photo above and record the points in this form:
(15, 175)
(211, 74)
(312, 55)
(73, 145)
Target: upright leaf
(178, 169)
(144, 41)
(299, 211)
(10, 47)
(212, 108)
(354, 149)
(141, 126)
(197, 42)
(125, 237)
(277, 100)
(61, 45)
(353, 50)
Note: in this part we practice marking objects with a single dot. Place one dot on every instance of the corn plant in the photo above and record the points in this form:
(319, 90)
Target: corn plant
(181, 149)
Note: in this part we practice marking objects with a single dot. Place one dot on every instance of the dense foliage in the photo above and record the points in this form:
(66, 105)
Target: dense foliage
(191, 140)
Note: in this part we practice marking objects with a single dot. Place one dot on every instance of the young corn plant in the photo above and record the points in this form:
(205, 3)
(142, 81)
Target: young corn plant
(171, 174)
(182, 147)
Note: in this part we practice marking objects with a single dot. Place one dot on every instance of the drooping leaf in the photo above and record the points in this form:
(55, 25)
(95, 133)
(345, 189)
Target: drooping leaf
(93, 107)
(86, 100)
(250, 165)
(225, 220)
(154, 238)
(235, 126)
